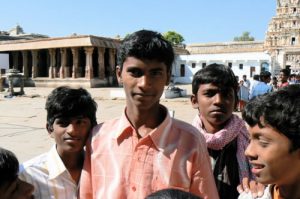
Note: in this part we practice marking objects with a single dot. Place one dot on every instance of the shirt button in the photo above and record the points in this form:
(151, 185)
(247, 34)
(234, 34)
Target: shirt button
(133, 188)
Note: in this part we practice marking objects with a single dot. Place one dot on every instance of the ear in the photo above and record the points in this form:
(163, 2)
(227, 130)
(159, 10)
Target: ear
(118, 74)
(194, 101)
(50, 130)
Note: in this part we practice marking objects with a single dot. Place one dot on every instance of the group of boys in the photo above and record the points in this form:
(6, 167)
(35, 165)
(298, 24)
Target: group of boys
(145, 150)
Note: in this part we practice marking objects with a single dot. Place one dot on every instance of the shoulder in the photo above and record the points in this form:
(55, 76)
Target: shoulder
(188, 131)
(35, 165)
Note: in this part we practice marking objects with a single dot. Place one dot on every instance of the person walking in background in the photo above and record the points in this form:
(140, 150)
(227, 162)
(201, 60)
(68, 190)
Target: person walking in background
(215, 95)
(246, 82)
(283, 77)
(145, 150)
(262, 87)
(243, 95)
(274, 84)
(71, 113)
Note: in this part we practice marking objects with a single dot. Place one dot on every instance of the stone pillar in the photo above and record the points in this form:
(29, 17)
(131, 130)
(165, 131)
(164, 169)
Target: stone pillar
(101, 67)
(88, 62)
(63, 53)
(75, 62)
(25, 64)
(15, 59)
(112, 64)
(52, 53)
(34, 63)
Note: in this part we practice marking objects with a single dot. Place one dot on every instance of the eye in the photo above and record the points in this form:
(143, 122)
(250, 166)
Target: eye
(135, 72)
(263, 143)
(209, 93)
(63, 122)
(156, 73)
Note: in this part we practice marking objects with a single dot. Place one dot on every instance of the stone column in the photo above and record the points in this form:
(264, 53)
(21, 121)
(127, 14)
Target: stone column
(34, 63)
(88, 62)
(15, 59)
(112, 65)
(52, 53)
(101, 67)
(63, 53)
(75, 63)
(25, 64)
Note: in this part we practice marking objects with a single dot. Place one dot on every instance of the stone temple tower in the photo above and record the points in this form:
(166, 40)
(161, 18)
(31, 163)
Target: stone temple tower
(283, 37)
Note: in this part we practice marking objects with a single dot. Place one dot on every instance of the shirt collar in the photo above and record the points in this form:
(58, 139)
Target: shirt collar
(158, 135)
(55, 165)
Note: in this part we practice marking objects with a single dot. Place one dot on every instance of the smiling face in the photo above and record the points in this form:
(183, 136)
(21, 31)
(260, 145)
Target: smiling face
(214, 104)
(143, 82)
(271, 157)
(70, 134)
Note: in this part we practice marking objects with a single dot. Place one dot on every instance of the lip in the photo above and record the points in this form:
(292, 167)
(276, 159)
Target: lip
(218, 111)
(256, 168)
(72, 139)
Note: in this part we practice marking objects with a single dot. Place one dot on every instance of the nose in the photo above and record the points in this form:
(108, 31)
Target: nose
(144, 81)
(218, 98)
(250, 151)
(71, 127)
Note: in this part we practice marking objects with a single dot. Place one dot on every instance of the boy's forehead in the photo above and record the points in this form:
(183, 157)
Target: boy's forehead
(213, 86)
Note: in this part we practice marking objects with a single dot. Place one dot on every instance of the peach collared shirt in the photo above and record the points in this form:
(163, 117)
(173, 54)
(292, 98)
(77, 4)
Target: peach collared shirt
(119, 165)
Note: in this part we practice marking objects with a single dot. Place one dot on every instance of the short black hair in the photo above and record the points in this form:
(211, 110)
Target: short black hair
(285, 71)
(280, 110)
(172, 194)
(9, 166)
(218, 74)
(146, 45)
(69, 102)
(264, 75)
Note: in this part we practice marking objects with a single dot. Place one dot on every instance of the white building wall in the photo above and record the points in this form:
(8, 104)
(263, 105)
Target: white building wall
(248, 60)
(4, 61)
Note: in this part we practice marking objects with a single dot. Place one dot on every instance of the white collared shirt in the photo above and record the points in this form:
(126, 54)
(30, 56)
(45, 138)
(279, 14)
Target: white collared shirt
(49, 176)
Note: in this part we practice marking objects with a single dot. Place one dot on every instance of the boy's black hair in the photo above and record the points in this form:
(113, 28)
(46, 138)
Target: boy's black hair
(218, 74)
(264, 75)
(66, 102)
(280, 110)
(9, 167)
(172, 194)
(285, 71)
(146, 45)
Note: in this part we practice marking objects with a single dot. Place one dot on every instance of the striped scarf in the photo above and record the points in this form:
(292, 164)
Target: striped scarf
(235, 127)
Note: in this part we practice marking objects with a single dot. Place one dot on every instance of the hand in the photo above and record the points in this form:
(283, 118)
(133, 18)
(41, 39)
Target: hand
(256, 188)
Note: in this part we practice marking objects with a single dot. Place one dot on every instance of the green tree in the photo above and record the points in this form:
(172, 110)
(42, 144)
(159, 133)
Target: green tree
(245, 37)
(173, 37)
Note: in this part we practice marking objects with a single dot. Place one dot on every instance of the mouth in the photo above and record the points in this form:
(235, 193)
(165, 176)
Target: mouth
(218, 111)
(72, 139)
(256, 168)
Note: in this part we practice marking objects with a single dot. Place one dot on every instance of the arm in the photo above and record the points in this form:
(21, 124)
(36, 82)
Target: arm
(251, 188)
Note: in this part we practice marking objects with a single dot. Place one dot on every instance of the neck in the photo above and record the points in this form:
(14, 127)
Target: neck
(73, 163)
(211, 128)
(290, 191)
(144, 121)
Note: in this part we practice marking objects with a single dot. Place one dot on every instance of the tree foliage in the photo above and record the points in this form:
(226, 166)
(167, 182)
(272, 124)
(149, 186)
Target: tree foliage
(173, 37)
(244, 37)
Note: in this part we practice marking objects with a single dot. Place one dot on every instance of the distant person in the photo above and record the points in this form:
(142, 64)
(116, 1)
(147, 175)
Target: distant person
(215, 95)
(145, 150)
(255, 81)
(11, 187)
(263, 86)
(246, 82)
(172, 194)
(274, 84)
(71, 113)
(283, 77)
(243, 95)
(274, 149)
(292, 79)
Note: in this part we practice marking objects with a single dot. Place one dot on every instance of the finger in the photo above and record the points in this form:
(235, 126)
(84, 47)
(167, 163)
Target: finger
(253, 188)
(245, 184)
(240, 189)
(260, 189)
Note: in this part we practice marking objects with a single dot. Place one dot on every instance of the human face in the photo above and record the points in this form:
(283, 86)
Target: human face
(143, 82)
(18, 189)
(271, 157)
(282, 77)
(70, 134)
(215, 104)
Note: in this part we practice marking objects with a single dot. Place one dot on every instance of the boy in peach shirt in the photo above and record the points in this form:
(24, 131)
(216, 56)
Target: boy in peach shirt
(145, 150)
